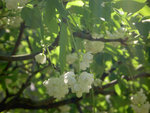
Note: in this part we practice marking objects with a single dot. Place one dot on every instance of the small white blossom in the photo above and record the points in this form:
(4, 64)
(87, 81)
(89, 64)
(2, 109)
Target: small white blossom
(139, 98)
(41, 58)
(86, 78)
(120, 33)
(15, 4)
(71, 58)
(64, 109)
(87, 58)
(14, 21)
(11, 4)
(83, 84)
(97, 82)
(23, 2)
(69, 78)
(94, 46)
(56, 87)
(139, 103)
(97, 36)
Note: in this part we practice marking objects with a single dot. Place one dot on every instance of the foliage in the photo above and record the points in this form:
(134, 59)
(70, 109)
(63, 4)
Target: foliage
(104, 43)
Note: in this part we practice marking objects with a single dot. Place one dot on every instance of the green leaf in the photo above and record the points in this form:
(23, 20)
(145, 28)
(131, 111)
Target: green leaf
(99, 8)
(32, 17)
(63, 43)
(98, 66)
(63, 12)
(130, 6)
(117, 89)
(144, 28)
(51, 24)
(50, 11)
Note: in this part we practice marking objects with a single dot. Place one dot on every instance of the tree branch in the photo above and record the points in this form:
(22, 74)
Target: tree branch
(89, 37)
(49, 103)
(55, 43)
(22, 27)
(28, 56)
(112, 83)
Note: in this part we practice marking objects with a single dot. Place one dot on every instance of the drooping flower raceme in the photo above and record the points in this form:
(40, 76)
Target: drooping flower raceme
(87, 58)
(14, 4)
(97, 36)
(11, 4)
(69, 78)
(22, 2)
(97, 82)
(139, 103)
(93, 46)
(64, 109)
(56, 87)
(120, 33)
(14, 21)
(83, 84)
(71, 58)
(41, 58)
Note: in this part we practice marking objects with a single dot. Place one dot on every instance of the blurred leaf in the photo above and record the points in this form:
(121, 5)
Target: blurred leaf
(100, 8)
(130, 6)
(117, 89)
(144, 28)
(32, 17)
(63, 43)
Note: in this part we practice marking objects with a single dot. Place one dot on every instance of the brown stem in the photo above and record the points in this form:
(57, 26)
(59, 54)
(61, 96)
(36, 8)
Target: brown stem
(48, 104)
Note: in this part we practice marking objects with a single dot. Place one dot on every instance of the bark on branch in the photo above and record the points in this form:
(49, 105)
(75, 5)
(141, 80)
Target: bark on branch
(75, 34)
(49, 103)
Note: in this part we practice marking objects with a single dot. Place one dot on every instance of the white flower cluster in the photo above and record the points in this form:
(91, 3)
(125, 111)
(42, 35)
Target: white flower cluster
(120, 33)
(15, 4)
(58, 87)
(97, 36)
(87, 58)
(11, 21)
(64, 109)
(71, 58)
(97, 82)
(14, 21)
(41, 58)
(82, 84)
(139, 103)
(94, 46)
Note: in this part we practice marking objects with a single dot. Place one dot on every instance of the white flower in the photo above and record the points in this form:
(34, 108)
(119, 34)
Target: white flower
(87, 58)
(14, 21)
(41, 58)
(83, 84)
(97, 36)
(144, 108)
(14, 4)
(11, 4)
(23, 2)
(71, 58)
(77, 88)
(56, 87)
(139, 98)
(139, 103)
(97, 82)
(69, 78)
(86, 78)
(94, 46)
(64, 109)
(120, 33)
